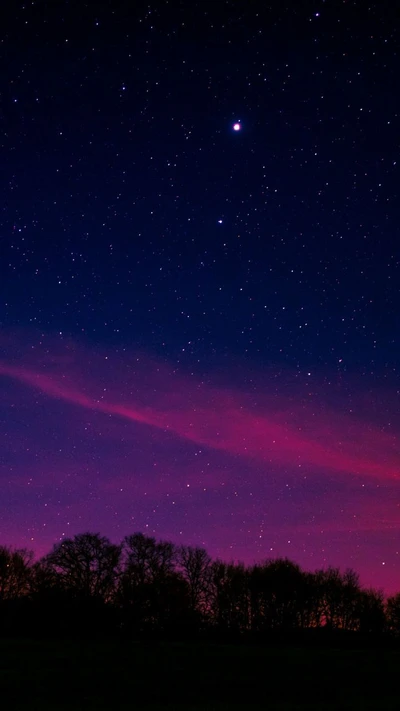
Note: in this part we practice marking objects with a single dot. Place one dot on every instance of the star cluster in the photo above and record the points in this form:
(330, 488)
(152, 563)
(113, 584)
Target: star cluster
(199, 278)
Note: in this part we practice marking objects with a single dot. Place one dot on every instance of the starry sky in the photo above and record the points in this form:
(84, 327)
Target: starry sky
(199, 277)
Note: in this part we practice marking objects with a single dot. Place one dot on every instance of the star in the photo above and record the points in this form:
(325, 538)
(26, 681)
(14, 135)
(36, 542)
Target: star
(236, 126)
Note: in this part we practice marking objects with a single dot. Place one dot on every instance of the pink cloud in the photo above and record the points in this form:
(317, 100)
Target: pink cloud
(275, 430)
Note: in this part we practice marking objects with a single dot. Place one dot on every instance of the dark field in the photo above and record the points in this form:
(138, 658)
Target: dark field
(81, 675)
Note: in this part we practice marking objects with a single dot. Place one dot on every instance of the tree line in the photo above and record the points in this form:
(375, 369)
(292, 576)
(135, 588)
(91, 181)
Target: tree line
(146, 587)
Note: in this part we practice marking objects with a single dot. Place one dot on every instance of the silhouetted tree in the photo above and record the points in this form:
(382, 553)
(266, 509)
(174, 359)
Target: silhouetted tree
(147, 559)
(150, 592)
(309, 601)
(393, 614)
(53, 605)
(195, 566)
(230, 597)
(15, 568)
(340, 596)
(76, 582)
(276, 590)
(15, 578)
(371, 612)
(87, 564)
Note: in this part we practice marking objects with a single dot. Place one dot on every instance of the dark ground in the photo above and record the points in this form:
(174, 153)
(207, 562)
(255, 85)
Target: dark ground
(94, 675)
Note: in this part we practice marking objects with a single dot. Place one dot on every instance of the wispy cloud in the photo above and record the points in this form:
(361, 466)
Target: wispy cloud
(150, 394)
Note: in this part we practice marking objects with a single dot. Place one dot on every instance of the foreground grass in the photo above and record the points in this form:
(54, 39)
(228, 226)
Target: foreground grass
(93, 675)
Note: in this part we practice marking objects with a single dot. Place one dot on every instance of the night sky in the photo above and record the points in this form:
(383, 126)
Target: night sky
(200, 276)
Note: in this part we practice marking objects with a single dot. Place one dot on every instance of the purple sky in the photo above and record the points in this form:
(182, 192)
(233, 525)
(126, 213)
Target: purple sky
(248, 464)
